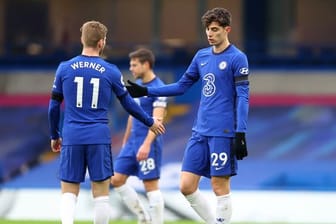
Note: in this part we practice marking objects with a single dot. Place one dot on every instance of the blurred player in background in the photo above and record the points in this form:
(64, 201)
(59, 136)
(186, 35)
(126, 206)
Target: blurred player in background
(142, 149)
(86, 83)
(218, 134)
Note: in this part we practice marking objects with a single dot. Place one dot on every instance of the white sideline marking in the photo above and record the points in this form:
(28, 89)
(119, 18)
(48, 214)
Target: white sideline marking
(248, 206)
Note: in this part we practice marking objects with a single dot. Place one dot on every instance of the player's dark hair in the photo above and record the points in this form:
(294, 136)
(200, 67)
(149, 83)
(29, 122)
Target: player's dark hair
(143, 55)
(220, 15)
(92, 32)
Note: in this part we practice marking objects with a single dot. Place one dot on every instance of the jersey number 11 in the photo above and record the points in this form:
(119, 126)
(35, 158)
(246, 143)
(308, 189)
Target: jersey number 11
(95, 91)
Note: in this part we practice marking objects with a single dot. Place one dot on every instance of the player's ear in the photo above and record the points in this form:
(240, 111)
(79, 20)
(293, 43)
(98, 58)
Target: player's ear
(100, 43)
(82, 41)
(227, 29)
(146, 63)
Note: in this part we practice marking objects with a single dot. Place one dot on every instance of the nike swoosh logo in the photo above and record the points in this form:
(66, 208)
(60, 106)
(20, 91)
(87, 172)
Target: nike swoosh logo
(203, 63)
(219, 168)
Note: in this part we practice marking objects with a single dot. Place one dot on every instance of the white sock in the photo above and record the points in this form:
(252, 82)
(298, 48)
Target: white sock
(101, 210)
(132, 201)
(200, 204)
(224, 209)
(68, 205)
(156, 206)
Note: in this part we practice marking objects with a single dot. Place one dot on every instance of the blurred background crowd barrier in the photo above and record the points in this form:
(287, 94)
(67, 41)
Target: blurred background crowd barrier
(287, 33)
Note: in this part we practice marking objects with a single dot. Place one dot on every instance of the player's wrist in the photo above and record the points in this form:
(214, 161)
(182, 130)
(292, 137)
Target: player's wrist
(54, 137)
(240, 134)
(150, 121)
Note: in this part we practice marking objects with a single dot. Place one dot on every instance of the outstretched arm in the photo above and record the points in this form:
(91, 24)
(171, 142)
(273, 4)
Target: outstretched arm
(174, 89)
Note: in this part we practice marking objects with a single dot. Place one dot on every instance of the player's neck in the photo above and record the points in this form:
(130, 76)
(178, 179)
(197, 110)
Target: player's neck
(90, 51)
(221, 47)
(149, 76)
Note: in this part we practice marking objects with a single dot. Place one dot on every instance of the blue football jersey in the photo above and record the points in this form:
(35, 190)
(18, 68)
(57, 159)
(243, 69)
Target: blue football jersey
(87, 82)
(224, 77)
(147, 103)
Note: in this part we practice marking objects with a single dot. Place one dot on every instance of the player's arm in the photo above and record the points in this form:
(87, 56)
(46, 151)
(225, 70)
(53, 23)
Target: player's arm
(127, 131)
(173, 89)
(56, 99)
(242, 95)
(54, 112)
(242, 105)
(136, 111)
(159, 113)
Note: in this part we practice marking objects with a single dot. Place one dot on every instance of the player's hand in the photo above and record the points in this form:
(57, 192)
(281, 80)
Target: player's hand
(158, 128)
(240, 146)
(136, 90)
(143, 152)
(56, 144)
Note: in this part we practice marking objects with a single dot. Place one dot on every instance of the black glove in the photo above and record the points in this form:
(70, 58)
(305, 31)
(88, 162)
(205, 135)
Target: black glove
(240, 145)
(136, 90)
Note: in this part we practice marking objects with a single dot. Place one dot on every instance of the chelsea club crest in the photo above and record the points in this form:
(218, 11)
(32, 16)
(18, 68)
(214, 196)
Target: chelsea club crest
(222, 65)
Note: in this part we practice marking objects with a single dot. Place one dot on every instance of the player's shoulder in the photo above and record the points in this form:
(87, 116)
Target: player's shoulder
(68, 62)
(158, 81)
(203, 54)
(204, 51)
(107, 64)
(236, 50)
(153, 83)
(94, 60)
(112, 70)
(64, 65)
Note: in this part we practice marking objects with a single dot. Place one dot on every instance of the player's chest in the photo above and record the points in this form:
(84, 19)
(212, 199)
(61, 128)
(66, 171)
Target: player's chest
(219, 67)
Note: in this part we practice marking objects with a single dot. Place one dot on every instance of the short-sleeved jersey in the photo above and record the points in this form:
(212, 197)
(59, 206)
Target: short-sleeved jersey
(218, 72)
(87, 82)
(148, 104)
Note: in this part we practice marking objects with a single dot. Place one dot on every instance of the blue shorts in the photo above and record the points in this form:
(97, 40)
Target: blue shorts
(209, 156)
(76, 159)
(148, 169)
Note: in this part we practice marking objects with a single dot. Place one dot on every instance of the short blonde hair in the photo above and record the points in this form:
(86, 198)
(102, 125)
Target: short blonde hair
(92, 33)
